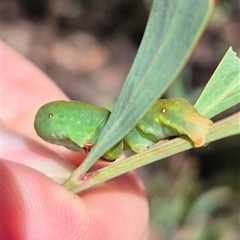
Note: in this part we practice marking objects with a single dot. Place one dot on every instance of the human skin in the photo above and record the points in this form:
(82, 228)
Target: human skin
(33, 206)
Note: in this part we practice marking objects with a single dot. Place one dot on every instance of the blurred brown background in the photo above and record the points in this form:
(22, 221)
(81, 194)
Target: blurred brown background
(87, 47)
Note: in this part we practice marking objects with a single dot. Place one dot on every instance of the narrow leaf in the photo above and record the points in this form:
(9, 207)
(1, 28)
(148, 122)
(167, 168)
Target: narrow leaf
(227, 127)
(171, 34)
(208, 203)
(223, 89)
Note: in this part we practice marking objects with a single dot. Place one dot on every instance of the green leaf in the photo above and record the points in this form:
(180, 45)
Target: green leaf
(227, 127)
(170, 36)
(208, 203)
(224, 128)
(223, 89)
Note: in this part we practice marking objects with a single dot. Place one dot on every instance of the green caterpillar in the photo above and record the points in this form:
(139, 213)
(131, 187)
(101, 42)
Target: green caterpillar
(77, 125)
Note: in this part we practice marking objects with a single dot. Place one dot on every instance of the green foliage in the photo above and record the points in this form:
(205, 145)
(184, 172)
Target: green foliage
(181, 208)
(159, 60)
(227, 127)
(223, 89)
